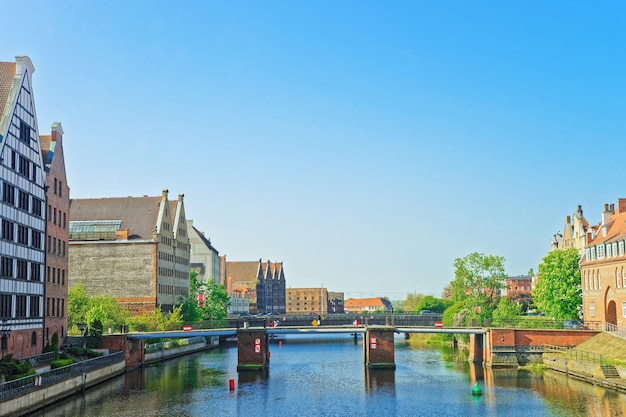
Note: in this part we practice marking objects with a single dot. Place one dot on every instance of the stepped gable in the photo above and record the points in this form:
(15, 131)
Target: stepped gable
(138, 214)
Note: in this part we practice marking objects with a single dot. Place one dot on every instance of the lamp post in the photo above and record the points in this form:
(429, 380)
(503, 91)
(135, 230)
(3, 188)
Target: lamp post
(5, 331)
(82, 326)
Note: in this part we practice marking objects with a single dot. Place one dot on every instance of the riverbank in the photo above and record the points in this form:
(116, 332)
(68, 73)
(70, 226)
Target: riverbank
(605, 368)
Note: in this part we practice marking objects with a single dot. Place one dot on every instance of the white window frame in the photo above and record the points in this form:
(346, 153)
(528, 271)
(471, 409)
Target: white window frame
(592, 309)
(600, 251)
(623, 308)
(621, 248)
(614, 248)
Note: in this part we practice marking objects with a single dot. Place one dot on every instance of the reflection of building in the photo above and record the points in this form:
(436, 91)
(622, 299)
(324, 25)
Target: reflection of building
(367, 305)
(307, 301)
(135, 249)
(263, 282)
(58, 196)
(603, 268)
(205, 259)
(22, 212)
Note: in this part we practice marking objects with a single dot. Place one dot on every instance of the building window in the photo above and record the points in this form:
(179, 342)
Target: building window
(623, 308)
(23, 200)
(33, 339)
(600, 251)
(35, 272)
(36, 206)
(24, 133)
(34, 306)
(24, 167)
(614, 249)
(6, 267)
(6, 305)
(34, 177)
(22, 269)
(22, 234)
(621, 248)
(8, 193)
(609, 251)
(618, 278)
(20, 306)
(7, 230)
(35, 239)
(592, 309)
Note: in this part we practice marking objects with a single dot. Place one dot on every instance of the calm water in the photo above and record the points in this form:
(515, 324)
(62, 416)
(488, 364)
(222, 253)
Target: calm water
(310, 378)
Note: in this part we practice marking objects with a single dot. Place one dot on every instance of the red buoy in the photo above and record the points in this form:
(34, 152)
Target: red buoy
(231, 383)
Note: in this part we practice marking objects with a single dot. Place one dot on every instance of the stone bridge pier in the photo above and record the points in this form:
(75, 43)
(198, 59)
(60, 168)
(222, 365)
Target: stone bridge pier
(378, 347)
(253, 351)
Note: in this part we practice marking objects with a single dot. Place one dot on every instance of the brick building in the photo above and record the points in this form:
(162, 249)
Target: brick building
(516, 285)
(22, 213)
(264, 284)
(603, 268)
(307, 301)
(575, 232)
(133, 248)
(58, 198)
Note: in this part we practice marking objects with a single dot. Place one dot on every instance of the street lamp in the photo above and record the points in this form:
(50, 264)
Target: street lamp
(5, 331)
(82, 326)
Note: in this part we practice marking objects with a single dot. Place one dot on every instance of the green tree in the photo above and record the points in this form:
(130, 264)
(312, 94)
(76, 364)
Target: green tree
(411, 302)
(558, 292)
(78, 304)
(216, 301)
(433, 304)
(507, 309)
(100, 308)
(478, 276)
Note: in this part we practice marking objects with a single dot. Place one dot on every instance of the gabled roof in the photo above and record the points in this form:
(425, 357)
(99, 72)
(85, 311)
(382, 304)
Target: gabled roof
(204, 239)
(244, 271)
(7, 73)
(364, 302)
(138, 214)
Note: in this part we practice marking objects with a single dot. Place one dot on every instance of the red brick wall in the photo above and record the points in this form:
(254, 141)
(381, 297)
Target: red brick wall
(379, 346)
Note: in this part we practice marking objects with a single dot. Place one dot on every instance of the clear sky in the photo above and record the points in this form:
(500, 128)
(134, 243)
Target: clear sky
(365, 144)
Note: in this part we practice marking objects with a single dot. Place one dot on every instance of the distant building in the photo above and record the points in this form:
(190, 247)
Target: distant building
(264, 284)
(335, 302)
(135, 249)
(58, 235)
(22, 213)
(307, 301)
(575, 232)
(516, 285)
(603, 268)
(368, 305)
(205, 259)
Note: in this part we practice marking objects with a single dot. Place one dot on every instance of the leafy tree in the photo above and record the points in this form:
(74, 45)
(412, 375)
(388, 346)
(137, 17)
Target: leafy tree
(215, 305)
(523, 299)
(78, 304)
(411, 302)
(98, 308)
(558, 292)
(432, 303)
(507, 309)
(478, 276)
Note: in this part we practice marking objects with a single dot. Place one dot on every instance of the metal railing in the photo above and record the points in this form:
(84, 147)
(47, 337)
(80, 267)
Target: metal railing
(576, 354)
(33, 382)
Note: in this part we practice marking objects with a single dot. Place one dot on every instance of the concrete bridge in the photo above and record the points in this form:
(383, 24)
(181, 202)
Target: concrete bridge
(490, 346)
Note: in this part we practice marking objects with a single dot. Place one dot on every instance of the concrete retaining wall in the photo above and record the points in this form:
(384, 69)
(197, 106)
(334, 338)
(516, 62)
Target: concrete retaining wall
(37, 399)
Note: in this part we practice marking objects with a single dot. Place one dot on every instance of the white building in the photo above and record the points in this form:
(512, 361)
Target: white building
(22, 212)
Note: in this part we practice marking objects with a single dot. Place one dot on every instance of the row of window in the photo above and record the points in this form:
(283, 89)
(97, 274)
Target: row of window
(25, 201)
(60, 220)
(10, 228)
(19, 268)
(605, 250)
(56, 246)
(172, 289)
(25, 306)
(57, 276)
(55, 307)
(22, 165)
(58, 188)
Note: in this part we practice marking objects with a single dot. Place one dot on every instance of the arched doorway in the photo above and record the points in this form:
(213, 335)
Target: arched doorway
(611, 313)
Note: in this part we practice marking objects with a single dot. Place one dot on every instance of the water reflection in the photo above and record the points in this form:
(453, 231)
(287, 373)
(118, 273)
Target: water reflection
(377, 380)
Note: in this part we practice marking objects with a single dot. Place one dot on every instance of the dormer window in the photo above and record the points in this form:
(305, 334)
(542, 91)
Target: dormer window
(621, 248)
(600, 251)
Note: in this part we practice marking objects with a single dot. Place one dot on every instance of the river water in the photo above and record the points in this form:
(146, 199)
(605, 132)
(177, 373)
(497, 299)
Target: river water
(325, 376)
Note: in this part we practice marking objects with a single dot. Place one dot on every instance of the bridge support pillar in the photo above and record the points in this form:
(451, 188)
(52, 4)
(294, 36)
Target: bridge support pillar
(253, 350)
(378, 347)
(476, 345)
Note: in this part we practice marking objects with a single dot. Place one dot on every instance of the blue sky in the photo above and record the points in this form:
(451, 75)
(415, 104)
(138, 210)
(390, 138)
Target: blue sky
(364, 144)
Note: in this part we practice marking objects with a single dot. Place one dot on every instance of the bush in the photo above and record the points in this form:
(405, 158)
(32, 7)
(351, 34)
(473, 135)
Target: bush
(82, 352)
(13, 369)
(60, 363)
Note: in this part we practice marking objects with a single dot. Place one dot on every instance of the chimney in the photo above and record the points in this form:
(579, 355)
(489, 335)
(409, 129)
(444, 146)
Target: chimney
(606, 214)
(567, 220)
(164, 193)
(621, 205)
(180, 197)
